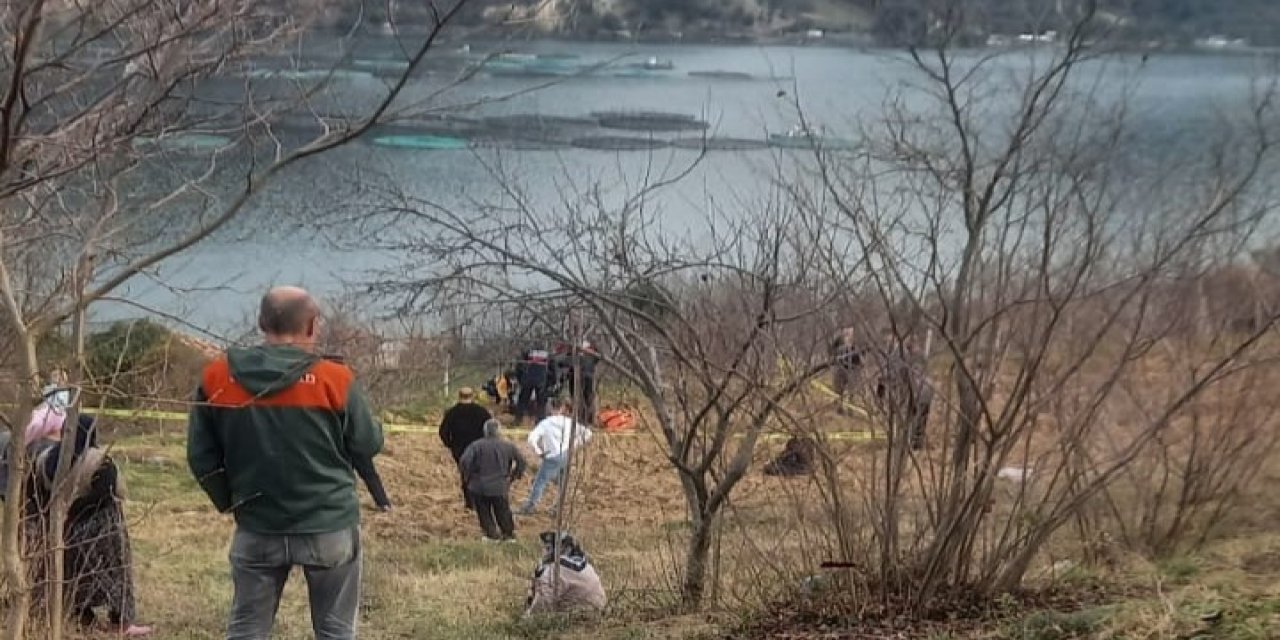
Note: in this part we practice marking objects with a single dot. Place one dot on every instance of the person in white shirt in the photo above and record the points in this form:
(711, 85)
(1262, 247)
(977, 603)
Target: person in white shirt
(550, 441)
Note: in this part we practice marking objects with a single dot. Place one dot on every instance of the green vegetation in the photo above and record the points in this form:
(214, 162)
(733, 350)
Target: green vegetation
(1180, 569)
(131, 364)
(1054, 625)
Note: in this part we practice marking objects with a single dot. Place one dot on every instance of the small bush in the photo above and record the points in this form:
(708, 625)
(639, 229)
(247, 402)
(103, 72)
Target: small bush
(124, 346)
(139, 364)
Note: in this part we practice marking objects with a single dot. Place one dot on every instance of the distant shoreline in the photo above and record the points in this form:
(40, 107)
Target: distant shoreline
(831, 40)
(463, 35)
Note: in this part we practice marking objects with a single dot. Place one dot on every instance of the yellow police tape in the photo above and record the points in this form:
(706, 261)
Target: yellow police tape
(173, 416)
(822, 386)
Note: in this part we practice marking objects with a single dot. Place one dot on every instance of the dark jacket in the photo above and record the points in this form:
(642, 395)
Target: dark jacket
(489, 465)
(534, 368)
(846, 354)
(903, 379)
(272, 436)
(463, 424)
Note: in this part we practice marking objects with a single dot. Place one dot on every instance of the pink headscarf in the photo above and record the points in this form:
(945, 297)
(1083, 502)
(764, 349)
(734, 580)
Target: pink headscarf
(46, 422)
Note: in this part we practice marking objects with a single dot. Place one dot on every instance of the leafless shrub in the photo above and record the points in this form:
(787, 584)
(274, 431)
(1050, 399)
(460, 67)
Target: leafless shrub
(91, 95)
(1055, 292)
(703, 330)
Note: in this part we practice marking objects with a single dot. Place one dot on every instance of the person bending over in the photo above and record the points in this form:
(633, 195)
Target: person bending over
(551, 441)
(578, 588)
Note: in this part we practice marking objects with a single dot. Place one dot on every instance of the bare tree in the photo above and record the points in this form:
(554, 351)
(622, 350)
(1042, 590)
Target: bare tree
(100, 105)
(1001, 199)
(703, 326)
(1204, 465)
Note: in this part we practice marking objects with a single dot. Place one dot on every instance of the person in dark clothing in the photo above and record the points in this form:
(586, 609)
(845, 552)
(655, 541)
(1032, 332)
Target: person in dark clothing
(365, 468)
(368, 472)
(560, 366)
(796, 459)
(462, 425)
(98, 566)
(534, 374)
(903, 390)
(581, 379)
(847, 356)
(489, 466)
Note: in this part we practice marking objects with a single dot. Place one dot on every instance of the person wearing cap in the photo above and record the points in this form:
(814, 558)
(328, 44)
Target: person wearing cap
(462, 425)
(489, 466)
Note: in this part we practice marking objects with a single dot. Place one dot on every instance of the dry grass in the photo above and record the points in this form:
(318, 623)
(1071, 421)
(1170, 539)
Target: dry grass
(428, 576)
(427, 573)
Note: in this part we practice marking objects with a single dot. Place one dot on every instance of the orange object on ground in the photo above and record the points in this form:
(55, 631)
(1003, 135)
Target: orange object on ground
(503, 386)
(616, 420)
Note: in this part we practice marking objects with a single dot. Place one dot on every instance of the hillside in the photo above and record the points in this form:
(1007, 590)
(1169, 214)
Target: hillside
(1169, 21)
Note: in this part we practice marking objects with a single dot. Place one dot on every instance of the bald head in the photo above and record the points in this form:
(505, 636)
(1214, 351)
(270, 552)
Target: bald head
(288, 314)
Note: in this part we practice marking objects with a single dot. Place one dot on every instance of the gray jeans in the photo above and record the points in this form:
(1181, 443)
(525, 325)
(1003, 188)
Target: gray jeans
(260, 565)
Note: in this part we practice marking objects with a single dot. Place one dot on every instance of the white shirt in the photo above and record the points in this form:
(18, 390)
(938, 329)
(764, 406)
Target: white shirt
(551, 436)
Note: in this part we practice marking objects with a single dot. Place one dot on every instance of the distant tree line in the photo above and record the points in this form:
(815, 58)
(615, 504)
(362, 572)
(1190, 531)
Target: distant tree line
(894, 22)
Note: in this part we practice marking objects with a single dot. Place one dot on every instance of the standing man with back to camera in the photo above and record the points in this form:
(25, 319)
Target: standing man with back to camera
(271, 440)
(463, 424)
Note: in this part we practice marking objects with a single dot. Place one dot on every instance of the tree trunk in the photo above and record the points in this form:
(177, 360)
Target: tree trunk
(562, 494)
(62, 498)
(18, 597)
(693, 586)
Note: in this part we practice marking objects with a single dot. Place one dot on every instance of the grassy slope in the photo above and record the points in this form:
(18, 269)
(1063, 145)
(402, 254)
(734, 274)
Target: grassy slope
(427, 576)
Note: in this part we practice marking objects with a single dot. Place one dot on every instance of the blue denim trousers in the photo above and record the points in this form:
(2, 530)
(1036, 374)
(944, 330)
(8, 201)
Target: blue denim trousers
(260, 566)
(548, 472)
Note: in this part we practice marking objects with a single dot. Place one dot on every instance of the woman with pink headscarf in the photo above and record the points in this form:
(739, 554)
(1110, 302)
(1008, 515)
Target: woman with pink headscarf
(99, 566)
(48, 418)
(46, 423)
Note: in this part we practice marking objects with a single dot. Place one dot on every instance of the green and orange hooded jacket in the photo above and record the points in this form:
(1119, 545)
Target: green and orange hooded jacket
(271, 438)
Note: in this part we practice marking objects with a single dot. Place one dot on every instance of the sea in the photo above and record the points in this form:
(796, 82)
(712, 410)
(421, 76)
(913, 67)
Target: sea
(304, 226)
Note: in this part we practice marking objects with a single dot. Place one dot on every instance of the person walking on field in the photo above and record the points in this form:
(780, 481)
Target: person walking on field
(462, 425)
(551, 442)
(489, 466)
(271, 440)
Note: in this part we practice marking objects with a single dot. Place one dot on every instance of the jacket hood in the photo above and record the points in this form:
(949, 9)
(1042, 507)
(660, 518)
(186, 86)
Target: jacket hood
(269, 369)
